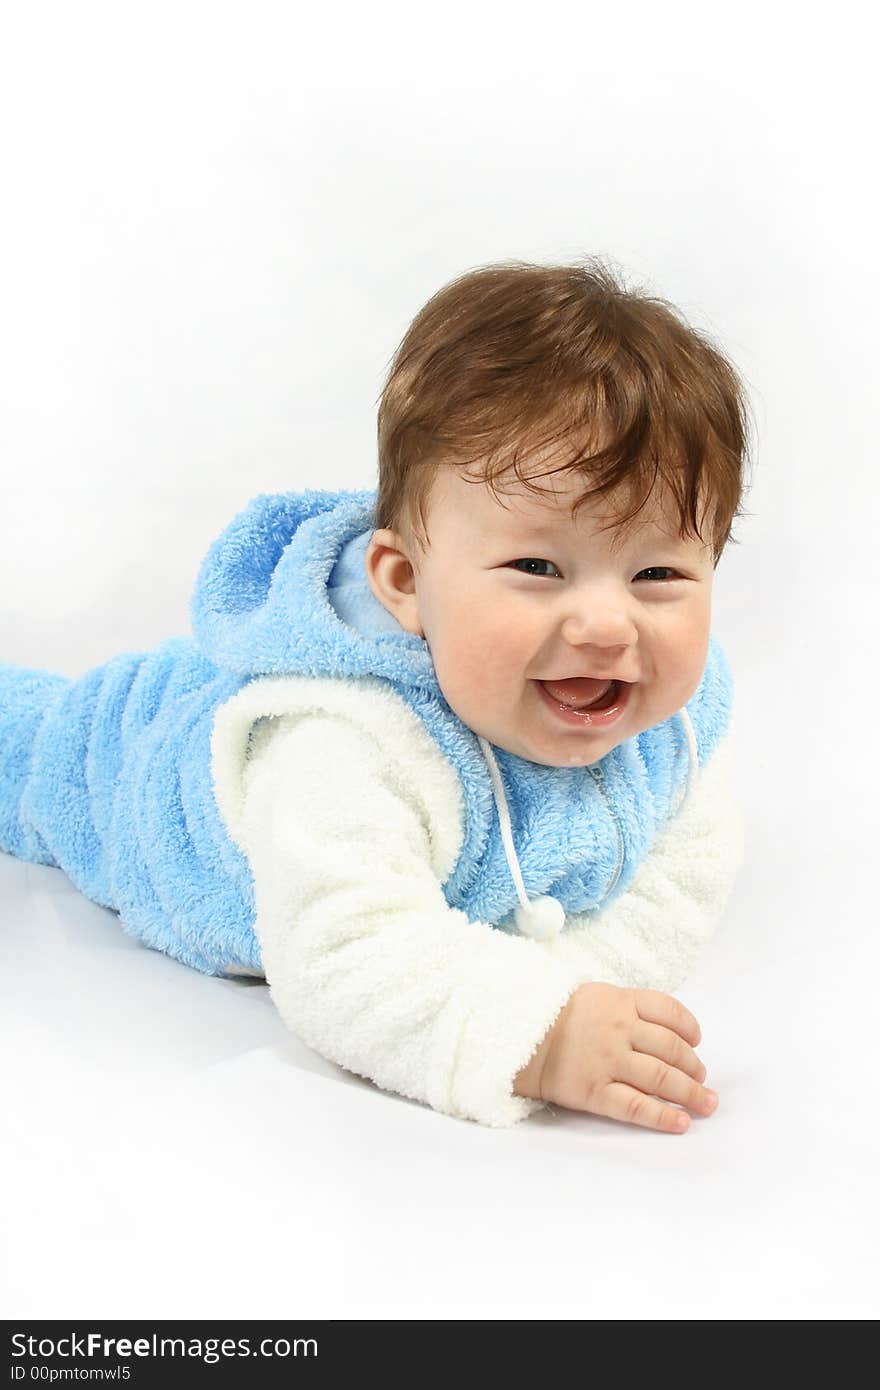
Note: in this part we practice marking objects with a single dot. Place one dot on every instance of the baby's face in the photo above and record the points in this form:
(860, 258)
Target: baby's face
(515, 592)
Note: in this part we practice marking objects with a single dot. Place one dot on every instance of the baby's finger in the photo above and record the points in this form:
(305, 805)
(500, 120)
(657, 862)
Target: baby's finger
(655, 1007)
(657, 1078)
(656, 1041)
(621, 1102)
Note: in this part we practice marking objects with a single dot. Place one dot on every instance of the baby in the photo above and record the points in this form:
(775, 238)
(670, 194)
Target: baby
(449, 763)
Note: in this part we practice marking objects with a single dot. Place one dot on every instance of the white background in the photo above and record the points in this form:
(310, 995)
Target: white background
(217, 223)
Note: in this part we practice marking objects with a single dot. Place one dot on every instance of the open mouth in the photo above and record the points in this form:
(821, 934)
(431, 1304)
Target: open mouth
(605, 707)
(582, 693)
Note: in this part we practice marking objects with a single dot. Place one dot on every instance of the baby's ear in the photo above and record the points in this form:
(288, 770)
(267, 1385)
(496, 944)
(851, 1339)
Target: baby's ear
(391, 577)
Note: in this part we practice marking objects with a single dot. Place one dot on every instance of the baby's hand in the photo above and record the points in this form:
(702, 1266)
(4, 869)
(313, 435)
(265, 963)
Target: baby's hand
(612, 1051)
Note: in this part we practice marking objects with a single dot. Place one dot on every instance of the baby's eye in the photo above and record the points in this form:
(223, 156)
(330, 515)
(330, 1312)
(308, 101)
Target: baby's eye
(533, 562)
(659, 569)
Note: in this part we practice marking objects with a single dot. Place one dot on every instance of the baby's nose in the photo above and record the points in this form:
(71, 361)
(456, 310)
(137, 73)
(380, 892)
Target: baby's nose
(609, 633)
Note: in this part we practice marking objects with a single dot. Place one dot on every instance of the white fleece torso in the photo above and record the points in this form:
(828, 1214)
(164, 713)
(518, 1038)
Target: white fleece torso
(352, 819)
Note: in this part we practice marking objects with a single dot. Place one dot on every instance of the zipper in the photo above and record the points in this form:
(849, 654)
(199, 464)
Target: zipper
(598, 775)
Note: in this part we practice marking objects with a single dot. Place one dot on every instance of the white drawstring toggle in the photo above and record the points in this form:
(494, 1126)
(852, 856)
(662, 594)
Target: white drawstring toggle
(541, 918)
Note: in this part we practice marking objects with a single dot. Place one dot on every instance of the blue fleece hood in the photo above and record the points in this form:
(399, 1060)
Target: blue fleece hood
(271, 589)
(109, 776)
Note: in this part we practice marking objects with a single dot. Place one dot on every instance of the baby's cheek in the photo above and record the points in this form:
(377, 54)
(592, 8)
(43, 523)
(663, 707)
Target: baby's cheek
(682, 687)
(453, 665)
(683, 656)
(471, 653)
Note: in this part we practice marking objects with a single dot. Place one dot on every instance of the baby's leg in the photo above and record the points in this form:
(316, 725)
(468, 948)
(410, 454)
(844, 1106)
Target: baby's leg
(26, 696)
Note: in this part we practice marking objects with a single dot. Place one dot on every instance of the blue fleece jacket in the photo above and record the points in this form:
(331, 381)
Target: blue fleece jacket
(108, 775)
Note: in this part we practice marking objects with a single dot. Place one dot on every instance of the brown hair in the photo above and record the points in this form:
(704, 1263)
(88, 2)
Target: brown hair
(512, 357)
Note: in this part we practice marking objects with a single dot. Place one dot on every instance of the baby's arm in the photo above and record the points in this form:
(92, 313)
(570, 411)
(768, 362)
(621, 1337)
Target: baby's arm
(365, 959)
(369, 964)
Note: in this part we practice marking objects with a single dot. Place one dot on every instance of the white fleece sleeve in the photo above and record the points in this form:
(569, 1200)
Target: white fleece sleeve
(365, 960)
(651, 936)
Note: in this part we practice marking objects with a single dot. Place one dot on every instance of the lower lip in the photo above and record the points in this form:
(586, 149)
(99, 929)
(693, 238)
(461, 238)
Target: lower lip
(588, 718)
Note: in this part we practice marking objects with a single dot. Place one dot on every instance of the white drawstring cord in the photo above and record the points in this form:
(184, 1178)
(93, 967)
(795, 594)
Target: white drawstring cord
(504, 818)
(539, 918)
(693, 762)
